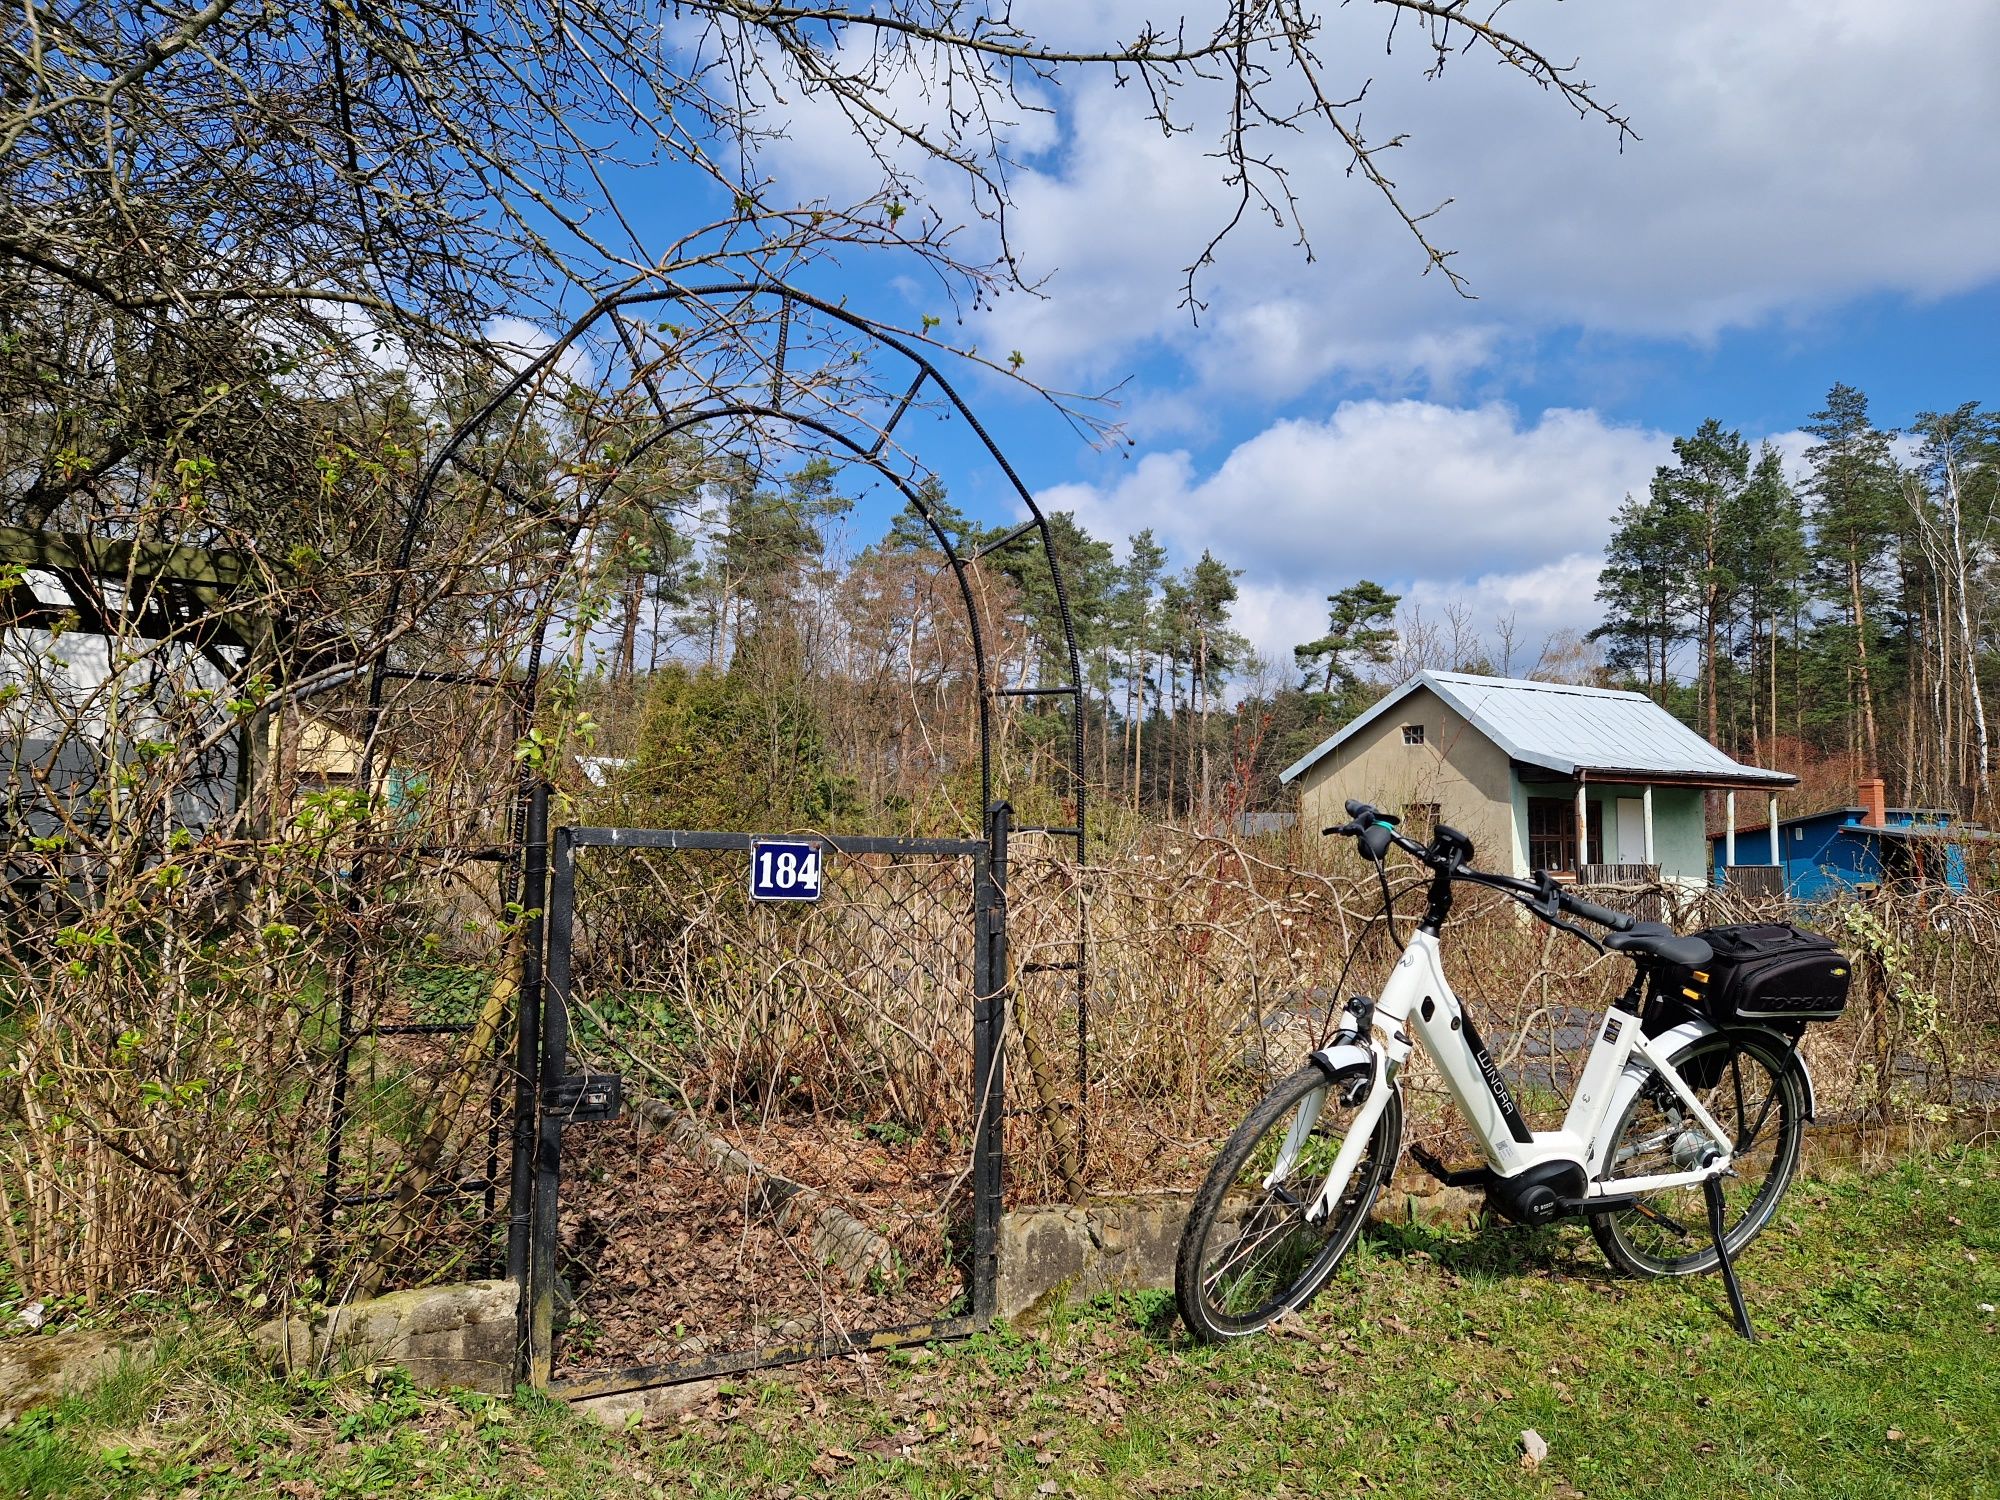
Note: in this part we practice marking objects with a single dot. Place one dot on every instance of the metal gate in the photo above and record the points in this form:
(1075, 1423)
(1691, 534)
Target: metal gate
(768, 1120)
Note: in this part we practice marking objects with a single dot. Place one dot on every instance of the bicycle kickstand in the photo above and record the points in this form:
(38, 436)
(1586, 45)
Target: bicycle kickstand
(1711, 1189)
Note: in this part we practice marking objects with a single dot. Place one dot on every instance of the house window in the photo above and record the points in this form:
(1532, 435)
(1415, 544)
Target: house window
(1552, 834)
(1413, 734)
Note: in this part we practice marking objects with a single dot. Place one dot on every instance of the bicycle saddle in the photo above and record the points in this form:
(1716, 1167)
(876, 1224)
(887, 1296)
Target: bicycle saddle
(1657, 940)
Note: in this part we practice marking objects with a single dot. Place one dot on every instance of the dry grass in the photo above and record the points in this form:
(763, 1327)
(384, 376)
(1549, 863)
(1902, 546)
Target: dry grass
(167, 1107)
(1213, 966)
(1216, 965)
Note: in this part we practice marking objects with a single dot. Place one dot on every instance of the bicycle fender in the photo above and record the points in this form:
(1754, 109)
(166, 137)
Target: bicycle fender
(1637, 1069)
(1779, 1043)
(1671, 1042)
(1342, 1057)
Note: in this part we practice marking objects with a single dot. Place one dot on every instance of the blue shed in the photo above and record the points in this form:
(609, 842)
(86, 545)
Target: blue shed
(1825, 853)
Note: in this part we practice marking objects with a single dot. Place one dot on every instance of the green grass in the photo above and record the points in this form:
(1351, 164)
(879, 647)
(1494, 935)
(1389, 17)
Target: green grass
(1876, 1374)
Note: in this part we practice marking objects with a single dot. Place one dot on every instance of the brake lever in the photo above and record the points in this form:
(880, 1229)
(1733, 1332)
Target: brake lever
(1547, 909)
(1553, 918)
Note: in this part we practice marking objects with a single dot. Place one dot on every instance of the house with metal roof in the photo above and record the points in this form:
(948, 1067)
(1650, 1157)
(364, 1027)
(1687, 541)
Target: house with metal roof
(1847, 849)
(1595, 784)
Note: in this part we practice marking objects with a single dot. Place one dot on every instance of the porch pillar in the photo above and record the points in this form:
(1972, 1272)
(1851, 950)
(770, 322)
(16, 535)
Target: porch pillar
(1776, 857)
(1729, 829)
(1647, 821)
(1582, 831)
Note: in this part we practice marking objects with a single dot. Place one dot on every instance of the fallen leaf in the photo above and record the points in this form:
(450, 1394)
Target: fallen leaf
(1895, 1434)
(1288, 1325)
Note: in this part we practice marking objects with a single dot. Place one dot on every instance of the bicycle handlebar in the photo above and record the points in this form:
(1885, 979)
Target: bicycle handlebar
(1376, 831)
(1590, 911)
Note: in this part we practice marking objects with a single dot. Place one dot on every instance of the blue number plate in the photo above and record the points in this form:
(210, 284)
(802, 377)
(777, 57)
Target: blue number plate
(784, 870)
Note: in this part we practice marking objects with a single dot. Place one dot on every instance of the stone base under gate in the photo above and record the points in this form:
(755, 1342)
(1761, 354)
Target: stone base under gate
(462, 1335)
(1060, 1253)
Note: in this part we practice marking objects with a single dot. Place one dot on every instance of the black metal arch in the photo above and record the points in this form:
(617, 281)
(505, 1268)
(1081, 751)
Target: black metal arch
(637, 293)
(529, 855)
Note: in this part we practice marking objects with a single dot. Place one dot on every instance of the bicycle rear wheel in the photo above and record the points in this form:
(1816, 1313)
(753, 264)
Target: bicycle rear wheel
(1249, 1252)
(1749, 1085)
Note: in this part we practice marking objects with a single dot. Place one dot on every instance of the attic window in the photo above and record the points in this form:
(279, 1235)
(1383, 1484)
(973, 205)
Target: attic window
(1413, 734)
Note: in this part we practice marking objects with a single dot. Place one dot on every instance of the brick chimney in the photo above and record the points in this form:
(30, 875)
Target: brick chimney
(1868, 791)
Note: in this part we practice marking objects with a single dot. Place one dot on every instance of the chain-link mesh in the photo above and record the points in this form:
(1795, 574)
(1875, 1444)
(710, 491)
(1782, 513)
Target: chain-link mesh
(793, 1162)
(1217, 966)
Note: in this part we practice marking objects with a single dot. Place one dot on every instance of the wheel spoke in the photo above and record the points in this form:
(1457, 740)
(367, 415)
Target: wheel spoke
(1736, 1077)
(1242, 1271)
(1650, 1238)
(1762, 1115)
(1239, 1251)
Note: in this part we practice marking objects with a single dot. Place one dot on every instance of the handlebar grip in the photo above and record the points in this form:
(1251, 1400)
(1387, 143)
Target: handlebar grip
(1590, 911)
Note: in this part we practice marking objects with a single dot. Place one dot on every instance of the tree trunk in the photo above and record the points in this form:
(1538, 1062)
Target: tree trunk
(1871, 738)
(1201, 677)
(628, 641)
(1968, 645)
(1772, 647)
(1139, 735)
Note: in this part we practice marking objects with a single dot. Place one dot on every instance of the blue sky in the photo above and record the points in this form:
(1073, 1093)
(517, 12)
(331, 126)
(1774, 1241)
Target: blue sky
(1814, 196)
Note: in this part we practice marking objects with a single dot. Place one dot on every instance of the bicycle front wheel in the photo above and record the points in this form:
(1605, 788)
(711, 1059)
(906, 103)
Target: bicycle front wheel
(1747, 1083)
(1251, 1251)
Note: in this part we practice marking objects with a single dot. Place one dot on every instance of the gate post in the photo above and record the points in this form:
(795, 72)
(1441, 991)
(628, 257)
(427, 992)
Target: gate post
(533, 896)
(989, 1039)
(545, 1225)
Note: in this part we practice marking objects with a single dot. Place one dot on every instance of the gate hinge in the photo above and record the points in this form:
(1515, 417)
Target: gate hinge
(585, 1098)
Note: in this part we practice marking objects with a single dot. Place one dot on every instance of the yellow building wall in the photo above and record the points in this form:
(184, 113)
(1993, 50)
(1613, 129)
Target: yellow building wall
(315, 750)
(1458, 768)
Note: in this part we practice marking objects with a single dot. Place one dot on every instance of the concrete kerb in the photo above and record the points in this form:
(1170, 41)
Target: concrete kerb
(42, 1367)
(1128, 1243)
(459, 1335)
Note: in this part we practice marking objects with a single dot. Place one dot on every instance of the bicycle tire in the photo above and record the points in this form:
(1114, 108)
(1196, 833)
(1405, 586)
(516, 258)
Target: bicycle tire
(1296, 1260)
(1653, 1135)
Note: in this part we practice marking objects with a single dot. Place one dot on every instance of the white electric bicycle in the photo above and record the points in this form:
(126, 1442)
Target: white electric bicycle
(1673, 1118)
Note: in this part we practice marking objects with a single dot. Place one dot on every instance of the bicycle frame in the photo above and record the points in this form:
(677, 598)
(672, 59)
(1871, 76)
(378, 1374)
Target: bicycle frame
(1418, 1005)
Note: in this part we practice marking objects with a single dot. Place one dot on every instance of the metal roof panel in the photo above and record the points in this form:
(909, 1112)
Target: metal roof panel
(1570, 730)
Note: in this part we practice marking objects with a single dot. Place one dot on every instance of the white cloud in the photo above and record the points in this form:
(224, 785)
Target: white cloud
(1442, 503)
(1793, 154)
(520, 343)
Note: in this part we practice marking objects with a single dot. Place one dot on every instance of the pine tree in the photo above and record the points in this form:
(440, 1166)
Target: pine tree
(1956, 505)
(1215, 649)
(909, 532)
(1774, 558)
(1852, 495)
(1643, 588)
(1705, 519)
(1131, 611)
(1358, 631)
